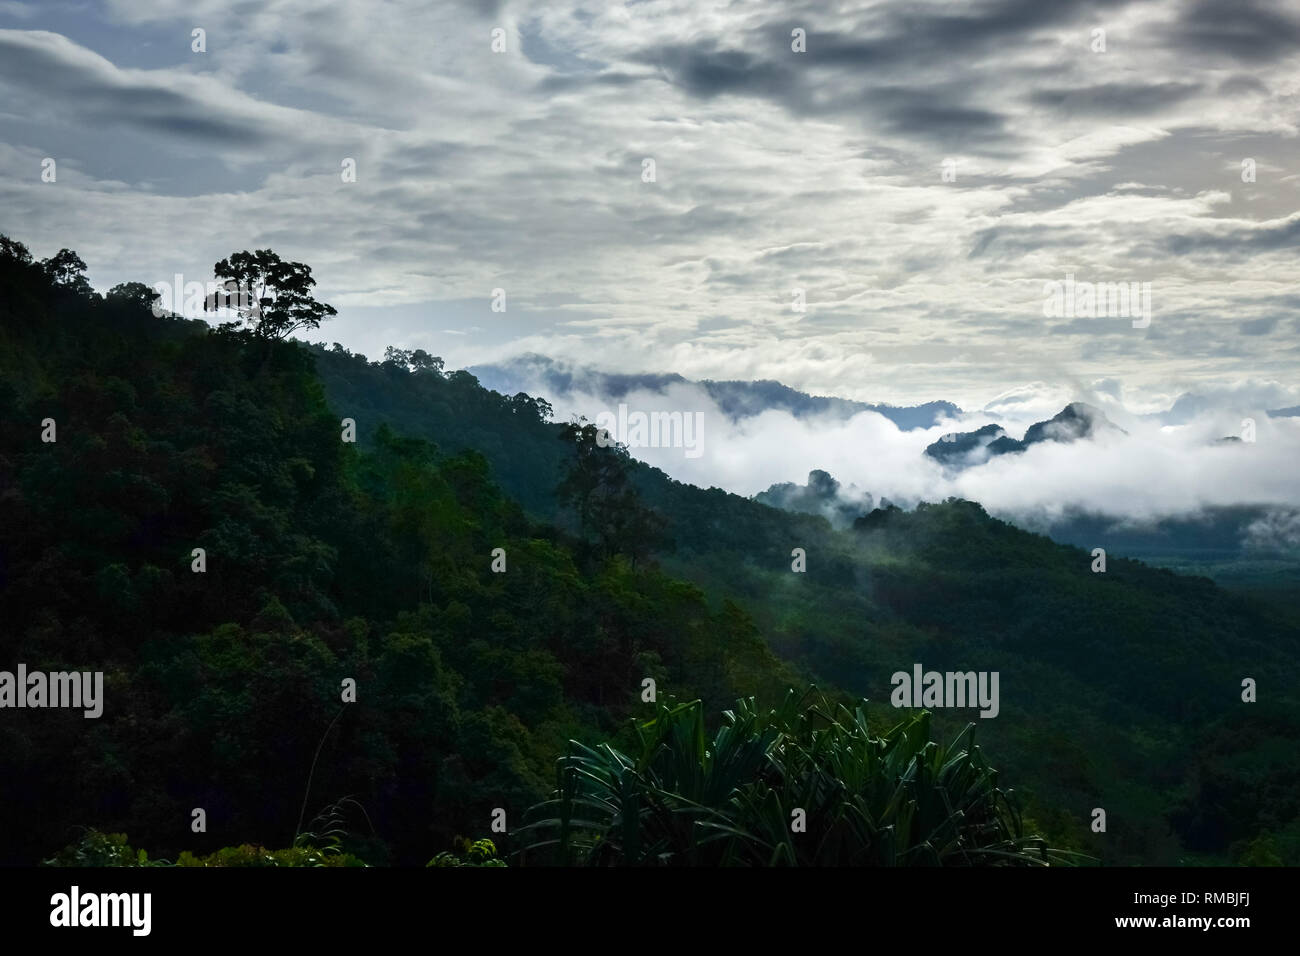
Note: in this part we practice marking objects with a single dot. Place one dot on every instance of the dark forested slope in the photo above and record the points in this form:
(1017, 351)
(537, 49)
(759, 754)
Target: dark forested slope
(323, 562)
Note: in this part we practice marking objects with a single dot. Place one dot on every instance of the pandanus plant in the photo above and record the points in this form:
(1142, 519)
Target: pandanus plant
(804, 784)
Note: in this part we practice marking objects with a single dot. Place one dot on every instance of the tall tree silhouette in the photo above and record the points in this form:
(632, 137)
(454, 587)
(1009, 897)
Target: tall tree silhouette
(273, 296)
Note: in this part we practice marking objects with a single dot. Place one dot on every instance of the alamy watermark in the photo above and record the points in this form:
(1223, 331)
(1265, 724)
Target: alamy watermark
(75, 689)
(75, 908)
(651, 430)
(1090, 300)
(951, 689)
(191, 299)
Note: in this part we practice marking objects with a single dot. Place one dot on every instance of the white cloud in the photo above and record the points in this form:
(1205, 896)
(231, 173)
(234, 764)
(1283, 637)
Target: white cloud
(1152, 471)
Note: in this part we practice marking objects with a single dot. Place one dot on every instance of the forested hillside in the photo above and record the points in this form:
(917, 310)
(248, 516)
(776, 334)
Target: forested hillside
(327, 560)
(324, 562)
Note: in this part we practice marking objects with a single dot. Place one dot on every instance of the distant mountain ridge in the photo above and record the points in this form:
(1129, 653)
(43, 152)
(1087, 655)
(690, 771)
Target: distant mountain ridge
(736, 399)
(533, 373)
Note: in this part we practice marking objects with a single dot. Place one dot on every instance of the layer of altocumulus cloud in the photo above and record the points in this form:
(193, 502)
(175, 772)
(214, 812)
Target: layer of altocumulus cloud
(776, 170)
(1152, 472)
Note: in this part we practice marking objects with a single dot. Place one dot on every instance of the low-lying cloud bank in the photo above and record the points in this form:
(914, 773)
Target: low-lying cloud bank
(1146, 472)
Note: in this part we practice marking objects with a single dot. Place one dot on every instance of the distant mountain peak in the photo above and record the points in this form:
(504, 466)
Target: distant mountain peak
(822, 495)
(1077, 421)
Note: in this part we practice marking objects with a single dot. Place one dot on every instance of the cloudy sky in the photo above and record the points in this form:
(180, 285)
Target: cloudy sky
(1162, 150)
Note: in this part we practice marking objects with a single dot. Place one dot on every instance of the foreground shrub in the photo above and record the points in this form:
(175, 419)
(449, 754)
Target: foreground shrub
(805, 784)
